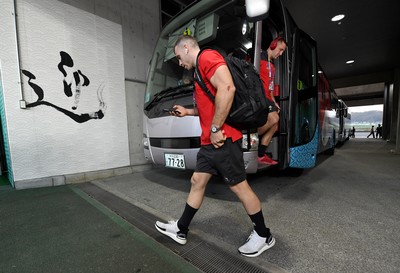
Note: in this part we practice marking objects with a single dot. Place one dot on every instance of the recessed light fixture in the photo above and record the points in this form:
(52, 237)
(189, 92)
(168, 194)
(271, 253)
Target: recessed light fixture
(320, 72)
(350, 62)
(337, 17)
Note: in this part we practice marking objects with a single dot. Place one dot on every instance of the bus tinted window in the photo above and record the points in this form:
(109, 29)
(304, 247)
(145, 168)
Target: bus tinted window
(306, 115)
(307, 73)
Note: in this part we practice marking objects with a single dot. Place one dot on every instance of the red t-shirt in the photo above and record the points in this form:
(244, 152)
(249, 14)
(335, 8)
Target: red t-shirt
(267, 75)
(209, 61)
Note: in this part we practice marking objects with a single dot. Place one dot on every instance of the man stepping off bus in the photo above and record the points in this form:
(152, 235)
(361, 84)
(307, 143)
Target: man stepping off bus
(267, 75)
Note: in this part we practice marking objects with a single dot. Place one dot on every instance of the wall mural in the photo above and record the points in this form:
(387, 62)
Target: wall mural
(78, 80)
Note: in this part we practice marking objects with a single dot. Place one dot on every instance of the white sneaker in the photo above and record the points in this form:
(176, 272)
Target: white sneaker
(255, 245)
(171, 230)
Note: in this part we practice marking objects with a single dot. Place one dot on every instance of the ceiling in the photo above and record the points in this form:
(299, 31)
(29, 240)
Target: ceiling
(369, 34)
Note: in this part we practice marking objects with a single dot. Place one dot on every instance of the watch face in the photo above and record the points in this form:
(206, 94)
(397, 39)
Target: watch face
(214, 129)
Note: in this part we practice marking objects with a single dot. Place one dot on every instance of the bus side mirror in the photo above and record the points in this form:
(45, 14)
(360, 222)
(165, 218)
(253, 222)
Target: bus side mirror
(257, 10)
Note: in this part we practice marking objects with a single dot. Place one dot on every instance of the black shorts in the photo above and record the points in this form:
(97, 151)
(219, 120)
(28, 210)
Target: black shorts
(271, 106)
(226, 161)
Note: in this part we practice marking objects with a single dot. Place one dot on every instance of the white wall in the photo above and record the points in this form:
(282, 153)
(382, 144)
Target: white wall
(9, 67)
(109, 41)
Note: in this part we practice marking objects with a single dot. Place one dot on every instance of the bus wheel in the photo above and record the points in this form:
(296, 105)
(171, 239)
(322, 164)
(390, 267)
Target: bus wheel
(294, 172)
(330, 151)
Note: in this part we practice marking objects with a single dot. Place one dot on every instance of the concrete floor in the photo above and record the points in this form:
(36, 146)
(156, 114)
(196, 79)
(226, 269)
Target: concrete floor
(341, 216)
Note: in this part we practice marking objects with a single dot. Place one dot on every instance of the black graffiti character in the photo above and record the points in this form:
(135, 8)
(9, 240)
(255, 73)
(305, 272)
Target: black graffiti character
(36, 88)
(80, 118)
(66, 60)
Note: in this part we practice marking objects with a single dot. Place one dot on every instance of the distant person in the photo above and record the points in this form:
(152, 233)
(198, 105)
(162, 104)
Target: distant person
(378, 131)
(267, 75)
(353, 132)
(372, 132)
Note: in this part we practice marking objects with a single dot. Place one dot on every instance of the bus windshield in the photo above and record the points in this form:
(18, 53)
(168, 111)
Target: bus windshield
(224, 29)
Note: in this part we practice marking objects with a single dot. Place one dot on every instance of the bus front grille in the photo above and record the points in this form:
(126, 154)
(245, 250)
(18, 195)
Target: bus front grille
(176, 143)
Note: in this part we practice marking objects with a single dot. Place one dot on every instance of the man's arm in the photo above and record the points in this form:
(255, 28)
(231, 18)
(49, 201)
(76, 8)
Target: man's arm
(223, 83)
(273, 99)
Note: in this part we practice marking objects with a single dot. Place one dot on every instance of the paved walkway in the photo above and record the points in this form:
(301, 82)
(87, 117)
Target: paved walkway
(61, 229)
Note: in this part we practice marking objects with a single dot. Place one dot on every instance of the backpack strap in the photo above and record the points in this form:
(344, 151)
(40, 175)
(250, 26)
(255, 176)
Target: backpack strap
(199, 79)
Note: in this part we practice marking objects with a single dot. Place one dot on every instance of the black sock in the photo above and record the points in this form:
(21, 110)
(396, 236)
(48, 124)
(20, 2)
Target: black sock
(259, 225)
(186, 218)
(261, 150)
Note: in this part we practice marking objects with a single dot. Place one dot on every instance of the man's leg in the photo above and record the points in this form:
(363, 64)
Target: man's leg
(263, 129)
(266, 139)
(177, 230)
(261, 238)
(269, 130)
(246, 195)
(199, 182)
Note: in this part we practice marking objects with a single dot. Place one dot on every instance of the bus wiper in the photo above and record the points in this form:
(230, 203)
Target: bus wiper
(169, 92)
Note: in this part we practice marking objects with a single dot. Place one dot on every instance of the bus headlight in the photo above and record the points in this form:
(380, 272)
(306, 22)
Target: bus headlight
(145, 141)
(253, 142)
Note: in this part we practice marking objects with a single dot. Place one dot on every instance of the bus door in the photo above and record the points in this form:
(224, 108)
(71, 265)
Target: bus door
(303, 103)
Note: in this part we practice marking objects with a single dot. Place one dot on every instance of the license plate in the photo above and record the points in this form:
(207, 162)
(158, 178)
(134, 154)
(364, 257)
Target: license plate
(175, 161)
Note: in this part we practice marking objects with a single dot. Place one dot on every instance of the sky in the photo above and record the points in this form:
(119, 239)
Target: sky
(378, 107)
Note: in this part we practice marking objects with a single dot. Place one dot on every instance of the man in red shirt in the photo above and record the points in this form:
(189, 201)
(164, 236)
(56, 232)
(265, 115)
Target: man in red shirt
(220, 151)
(267, 75)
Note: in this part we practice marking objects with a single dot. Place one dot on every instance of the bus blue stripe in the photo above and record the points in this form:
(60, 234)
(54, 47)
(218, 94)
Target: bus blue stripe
(304, 156)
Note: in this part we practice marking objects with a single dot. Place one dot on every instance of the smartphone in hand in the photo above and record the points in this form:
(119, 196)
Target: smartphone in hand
(171, 110)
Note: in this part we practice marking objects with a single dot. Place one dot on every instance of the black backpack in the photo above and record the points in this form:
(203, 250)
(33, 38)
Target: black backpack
(249, 107)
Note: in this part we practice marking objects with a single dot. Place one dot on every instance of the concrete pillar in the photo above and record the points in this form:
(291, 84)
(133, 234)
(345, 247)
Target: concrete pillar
(386, 121)
(394, 125)
(396, 90)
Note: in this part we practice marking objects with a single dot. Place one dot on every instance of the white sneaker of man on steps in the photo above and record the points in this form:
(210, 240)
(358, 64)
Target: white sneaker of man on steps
(254, 246)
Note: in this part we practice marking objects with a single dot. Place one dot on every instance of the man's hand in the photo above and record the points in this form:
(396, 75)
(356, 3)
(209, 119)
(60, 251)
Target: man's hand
(180, 111)
(218, 139)
(277, 106)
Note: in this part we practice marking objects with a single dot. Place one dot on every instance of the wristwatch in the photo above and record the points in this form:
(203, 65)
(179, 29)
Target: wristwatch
(214, 129)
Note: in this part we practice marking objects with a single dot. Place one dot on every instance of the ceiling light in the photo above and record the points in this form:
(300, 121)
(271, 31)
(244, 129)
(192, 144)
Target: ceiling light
(337, 17)
(350, 62)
